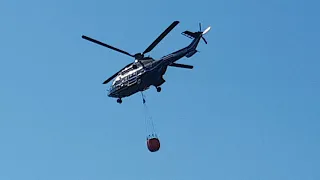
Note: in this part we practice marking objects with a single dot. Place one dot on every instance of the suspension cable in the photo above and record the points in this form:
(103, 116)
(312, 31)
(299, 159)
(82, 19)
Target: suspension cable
(150, 126)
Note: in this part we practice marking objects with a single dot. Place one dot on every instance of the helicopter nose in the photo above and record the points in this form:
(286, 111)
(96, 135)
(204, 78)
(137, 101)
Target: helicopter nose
(109, 94)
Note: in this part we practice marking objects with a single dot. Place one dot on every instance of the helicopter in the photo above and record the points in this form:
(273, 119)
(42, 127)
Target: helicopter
(145, 71)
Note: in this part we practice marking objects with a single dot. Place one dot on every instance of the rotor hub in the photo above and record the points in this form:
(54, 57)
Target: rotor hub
(139, 56)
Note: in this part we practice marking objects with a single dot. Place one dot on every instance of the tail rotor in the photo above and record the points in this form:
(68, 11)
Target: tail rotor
(198, 34)
(204, 32)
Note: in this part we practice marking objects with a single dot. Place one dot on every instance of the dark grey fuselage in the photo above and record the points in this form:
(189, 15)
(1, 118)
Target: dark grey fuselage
(136, 78)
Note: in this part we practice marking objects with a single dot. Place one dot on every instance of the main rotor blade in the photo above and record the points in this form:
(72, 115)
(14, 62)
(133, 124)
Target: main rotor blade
(181, 65)
(106, 45)
(162, 35)
(114, 75)
(110, 78)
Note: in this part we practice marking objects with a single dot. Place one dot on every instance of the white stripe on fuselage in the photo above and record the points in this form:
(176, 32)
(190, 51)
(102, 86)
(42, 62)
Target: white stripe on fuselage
(120, 76)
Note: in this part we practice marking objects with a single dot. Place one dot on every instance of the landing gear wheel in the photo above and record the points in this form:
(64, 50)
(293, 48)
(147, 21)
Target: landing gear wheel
(119, 100)
(158, 89)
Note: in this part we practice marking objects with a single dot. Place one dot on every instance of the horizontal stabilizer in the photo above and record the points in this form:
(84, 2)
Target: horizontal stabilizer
(189, 34)
(181, 65)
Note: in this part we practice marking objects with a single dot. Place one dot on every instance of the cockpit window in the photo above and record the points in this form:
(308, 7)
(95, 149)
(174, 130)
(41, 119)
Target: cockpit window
(116, 81)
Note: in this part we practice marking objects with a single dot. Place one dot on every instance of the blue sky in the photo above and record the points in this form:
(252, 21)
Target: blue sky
(248, 110)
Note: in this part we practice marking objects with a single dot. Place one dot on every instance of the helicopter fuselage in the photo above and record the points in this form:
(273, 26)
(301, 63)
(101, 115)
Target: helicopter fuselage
(136, 78)
(145, 71)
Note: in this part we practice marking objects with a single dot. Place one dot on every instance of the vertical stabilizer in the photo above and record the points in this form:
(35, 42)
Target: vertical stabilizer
(195, 35)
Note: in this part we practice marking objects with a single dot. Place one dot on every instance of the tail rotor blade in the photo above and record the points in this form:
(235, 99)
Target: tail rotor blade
(207, 30)
(204, 40)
